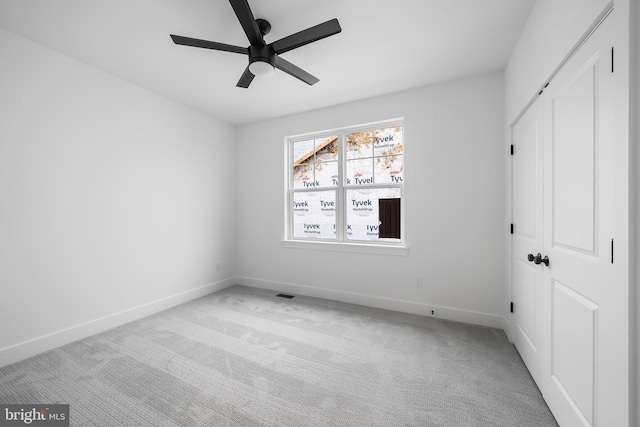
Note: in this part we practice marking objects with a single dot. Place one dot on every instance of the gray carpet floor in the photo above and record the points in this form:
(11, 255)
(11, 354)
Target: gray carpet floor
(243, 357)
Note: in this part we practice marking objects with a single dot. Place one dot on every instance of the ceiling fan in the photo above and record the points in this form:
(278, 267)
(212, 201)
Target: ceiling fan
(264, 58)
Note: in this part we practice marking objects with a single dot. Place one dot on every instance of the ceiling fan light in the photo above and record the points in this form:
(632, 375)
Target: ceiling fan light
(261, 69)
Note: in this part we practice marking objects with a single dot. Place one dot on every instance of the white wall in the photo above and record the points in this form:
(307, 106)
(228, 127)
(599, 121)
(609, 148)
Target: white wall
(115, 202)
(454, 206)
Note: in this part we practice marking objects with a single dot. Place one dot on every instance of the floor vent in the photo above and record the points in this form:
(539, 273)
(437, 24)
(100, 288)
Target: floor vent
(285, 296)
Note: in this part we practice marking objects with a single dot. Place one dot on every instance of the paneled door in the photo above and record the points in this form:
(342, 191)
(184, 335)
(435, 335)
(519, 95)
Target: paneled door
(527, 286)
(586, 370)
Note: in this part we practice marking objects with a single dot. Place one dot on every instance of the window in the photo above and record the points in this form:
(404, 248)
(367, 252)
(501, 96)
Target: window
(346, 186)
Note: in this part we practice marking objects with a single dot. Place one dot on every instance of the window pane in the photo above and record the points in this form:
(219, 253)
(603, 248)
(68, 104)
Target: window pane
(363, 217)
(327, 149)
(327, 174)
(388, 141)
(303, 176)
(314, 215)
(389, 169)
(359, 145)
(360, 172)
(303, 152)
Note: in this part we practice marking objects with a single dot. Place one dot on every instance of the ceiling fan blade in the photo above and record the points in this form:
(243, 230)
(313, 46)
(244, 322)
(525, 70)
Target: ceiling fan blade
(246, 79)
(248, 22)
(296, 72)
(188, 41)
(307, 36)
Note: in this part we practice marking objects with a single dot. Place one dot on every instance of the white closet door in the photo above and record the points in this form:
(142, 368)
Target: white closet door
(586, 370)
(527, 286)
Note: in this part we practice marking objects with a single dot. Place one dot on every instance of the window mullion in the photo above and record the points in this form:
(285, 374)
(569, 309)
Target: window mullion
(340, 216)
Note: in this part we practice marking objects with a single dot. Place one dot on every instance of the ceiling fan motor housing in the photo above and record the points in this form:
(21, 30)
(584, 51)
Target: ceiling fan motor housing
(263, 54)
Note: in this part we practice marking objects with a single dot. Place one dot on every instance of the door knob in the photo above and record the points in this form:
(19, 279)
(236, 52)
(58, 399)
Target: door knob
(536, 259)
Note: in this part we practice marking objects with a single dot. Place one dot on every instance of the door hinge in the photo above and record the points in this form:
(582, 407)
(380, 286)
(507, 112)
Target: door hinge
(511, 228)
(511, 307)
(612, 55)
(611, 251)
(512, 149)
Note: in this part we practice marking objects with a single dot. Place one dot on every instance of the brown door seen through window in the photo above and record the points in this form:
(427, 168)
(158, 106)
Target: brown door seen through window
(389, 215)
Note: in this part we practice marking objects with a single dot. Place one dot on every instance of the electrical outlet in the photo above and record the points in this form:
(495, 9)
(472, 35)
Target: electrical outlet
(433, 312)
(419, 282)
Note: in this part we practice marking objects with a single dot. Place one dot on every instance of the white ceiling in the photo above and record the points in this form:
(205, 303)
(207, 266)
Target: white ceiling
(385, 46)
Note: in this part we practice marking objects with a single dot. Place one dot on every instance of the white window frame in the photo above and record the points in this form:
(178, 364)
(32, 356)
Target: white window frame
(341, 243)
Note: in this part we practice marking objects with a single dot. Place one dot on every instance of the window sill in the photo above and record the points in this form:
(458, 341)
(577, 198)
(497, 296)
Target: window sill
(347, 247)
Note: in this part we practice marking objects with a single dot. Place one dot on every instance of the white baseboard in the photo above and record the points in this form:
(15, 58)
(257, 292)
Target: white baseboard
(23, 350)
(506, 320)
(448, 313)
